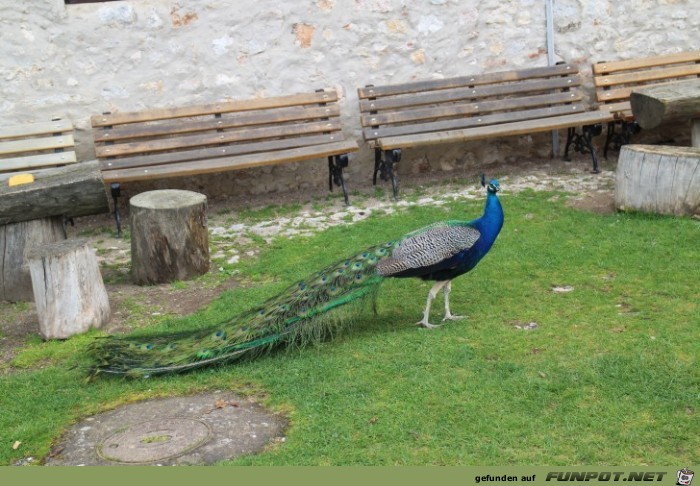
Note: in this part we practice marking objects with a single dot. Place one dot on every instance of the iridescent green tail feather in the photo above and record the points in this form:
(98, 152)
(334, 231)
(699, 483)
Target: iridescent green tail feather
(303, 312)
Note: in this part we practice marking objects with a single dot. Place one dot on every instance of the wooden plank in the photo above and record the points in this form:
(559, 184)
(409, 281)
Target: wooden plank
(231, 163)
(468, 109)
(506, 129)
(73, 190)
(638, 77)
(466, 81)
(666, 103)
(629, 64)
(35, 129)
(474, 121)
(461, 94)
(174, 143)
(36, 144)
(211, 109)
(214, 152)
(180, 126)
(36, 161)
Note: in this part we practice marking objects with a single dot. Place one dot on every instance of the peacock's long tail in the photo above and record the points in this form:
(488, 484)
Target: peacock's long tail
(298, 314)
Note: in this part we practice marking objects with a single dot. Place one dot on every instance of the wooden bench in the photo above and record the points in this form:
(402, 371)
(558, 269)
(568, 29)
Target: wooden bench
(499, 104)
(29, 148)
(615, 81)
(185, 141)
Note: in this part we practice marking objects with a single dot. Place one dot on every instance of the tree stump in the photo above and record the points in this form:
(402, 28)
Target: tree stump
(169, 238)
(69, 292)
(658, 179)
(15, 240)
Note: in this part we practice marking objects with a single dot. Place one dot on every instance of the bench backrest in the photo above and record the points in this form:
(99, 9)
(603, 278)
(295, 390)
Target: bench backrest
(615, 81)
(35, 146)
(208, 133)
(469, 101)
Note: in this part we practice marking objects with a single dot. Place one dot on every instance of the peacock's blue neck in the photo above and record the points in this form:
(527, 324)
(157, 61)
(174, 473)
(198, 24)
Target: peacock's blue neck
(491, 222)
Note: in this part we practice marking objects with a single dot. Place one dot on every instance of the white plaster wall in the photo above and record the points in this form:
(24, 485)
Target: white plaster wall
(80, 60)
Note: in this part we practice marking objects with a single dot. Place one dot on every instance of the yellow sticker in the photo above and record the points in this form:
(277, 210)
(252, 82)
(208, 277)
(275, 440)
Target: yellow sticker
(20, 179)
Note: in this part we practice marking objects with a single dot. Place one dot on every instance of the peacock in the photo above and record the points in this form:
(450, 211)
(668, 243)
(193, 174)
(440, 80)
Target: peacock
(439, 252)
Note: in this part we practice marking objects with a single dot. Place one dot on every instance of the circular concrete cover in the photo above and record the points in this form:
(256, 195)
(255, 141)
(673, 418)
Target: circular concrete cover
(155, 440)
(199, 429)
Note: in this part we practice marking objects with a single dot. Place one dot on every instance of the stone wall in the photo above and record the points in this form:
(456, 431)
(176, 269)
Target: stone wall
(83, 59)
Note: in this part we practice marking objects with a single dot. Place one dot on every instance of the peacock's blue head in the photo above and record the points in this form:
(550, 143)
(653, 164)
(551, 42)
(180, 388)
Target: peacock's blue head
(493, 186)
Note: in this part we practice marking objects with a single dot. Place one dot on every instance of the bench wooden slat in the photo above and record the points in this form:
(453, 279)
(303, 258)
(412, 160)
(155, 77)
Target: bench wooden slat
(214, 152)
(36, 144)
(211, 109)
(174, 127)
(230, 163)
(35, 161)
(472, 121)
(467, 109)
(628, 64)
(460, 94)
(647, 75)
(502, 130)
(163, 144)
(35, 129)
(466, 81)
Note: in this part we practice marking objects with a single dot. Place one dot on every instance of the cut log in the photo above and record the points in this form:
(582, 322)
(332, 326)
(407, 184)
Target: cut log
(673, 102)
(658, 179)
(74, 190)
(15, 241)
(169, 238)
(69, 292)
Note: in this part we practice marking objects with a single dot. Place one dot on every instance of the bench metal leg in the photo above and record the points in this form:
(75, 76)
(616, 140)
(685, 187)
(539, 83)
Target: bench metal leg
(583, 142)
(336, 164)
(622, 137)
(385, 168)
(115, 188)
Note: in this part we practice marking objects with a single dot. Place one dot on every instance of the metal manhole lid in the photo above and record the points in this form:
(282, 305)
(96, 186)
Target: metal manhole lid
(154, 440)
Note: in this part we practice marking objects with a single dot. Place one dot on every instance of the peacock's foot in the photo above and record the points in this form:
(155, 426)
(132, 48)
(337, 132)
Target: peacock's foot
(450, 317)
(427, 325)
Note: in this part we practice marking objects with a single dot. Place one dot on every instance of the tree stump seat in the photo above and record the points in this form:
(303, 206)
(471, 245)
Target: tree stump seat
(658, 179)
(68, 289)
(169, 237)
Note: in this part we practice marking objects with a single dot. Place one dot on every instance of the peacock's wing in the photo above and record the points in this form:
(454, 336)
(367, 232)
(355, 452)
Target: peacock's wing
(430, 248)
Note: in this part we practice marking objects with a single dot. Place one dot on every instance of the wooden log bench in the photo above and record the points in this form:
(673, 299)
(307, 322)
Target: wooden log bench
(40, 185)
(677, 102)
(500, 104)
(615, 81)
(231, 135)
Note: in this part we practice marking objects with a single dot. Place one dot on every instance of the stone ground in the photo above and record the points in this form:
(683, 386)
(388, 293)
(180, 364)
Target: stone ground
(235, 236)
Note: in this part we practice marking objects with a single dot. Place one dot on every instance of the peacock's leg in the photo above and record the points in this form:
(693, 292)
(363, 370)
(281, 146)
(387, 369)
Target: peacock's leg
(448, 314)
(426, 313)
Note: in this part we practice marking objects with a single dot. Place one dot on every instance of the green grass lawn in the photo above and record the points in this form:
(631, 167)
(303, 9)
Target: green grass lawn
(608, 376)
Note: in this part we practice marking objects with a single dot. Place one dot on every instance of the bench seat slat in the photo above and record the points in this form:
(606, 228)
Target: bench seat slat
(460, 94)
(467, 109)
(472, 121)
(211, 109)
(230, 163)
(225, 137)
(629, 64)
(174, 127)
(214, 152)
(502, 130)
(647, 75)
(35, 129)
(36, 144)
(42, 160)
(465, 81)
